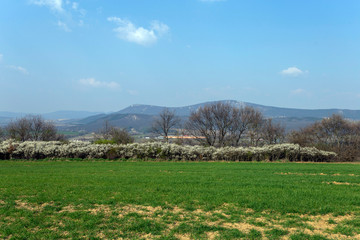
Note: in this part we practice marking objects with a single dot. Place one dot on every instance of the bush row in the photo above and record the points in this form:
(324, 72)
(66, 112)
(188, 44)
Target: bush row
(78, 149)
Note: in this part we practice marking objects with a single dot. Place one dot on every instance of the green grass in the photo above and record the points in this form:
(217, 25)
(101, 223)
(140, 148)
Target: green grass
(166, 200)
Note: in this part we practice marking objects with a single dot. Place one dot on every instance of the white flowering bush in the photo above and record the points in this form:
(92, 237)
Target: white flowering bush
(79, 149)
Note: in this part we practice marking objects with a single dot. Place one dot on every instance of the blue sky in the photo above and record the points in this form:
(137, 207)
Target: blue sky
(102, 55)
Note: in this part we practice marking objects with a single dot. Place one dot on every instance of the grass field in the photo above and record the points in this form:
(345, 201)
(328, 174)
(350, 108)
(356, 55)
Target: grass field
(178, 200)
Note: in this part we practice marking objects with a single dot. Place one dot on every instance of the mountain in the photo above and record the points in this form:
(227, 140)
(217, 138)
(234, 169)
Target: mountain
(52, 115)
(155, 110)
(60, 115)
(268, 111)
(11, 114)
(140, 117)
(137, 122)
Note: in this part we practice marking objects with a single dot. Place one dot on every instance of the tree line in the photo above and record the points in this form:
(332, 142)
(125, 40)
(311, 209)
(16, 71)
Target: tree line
(31, 128)
(222, 124)
(334, 133)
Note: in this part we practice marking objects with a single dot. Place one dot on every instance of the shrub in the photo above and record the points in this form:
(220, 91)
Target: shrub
(335, 134)
(78, 149)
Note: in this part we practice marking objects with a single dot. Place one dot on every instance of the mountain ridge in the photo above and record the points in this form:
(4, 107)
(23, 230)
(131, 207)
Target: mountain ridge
(141, 116)
(268, 111)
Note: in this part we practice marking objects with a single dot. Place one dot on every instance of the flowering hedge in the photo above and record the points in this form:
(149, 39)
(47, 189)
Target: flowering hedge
(79, 149)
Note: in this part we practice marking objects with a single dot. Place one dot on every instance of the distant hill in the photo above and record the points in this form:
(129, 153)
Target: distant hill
(138, 122)
(68, 115)
(58, 116)
(155, 110)
(4, 114)
(140, 117)
(292, 118)
(268, 111)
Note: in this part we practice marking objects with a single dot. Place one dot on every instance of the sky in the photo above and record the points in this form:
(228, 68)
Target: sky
(104, 55)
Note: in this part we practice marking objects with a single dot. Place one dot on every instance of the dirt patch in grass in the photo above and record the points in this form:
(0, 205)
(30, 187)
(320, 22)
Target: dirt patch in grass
(183, 236)
(69, 208)
(243, 227)
(343, 183)
(20, 204)
(302, 174)
(212, 235)
(100, 208)
(315, 174)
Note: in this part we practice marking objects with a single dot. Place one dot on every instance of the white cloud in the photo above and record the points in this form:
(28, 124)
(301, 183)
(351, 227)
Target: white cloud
(75, 5)
(18, 69)
(55, 5)
(91, 82)
(292, 72)
(127, 31)
(63, 26)
(68, 13)
(159, 27)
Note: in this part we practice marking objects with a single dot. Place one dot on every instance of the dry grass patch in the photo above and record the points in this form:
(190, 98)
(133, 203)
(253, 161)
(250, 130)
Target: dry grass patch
(316, 174)
(20, 204)
(343, 183)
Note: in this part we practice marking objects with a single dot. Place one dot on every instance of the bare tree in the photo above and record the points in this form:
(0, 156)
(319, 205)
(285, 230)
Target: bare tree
(272, 133)
(255, 128)
(242, 120)
(114, 134)
(332, 134)
(222, 114)
(48, 132)
(221, 124)
(335, 128)
(105, 131)
(165, 122)
(201, 125)
(33, 128)
(121, 136)
(37, 127)
(20, 129)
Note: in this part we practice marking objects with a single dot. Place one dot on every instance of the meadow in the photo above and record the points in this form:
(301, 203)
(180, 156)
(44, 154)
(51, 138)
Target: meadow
(178, 200)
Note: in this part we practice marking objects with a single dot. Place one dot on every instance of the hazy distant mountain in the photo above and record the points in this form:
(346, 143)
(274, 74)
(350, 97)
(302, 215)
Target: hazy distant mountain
(140, 117)
(68, 115)
(155, 110)
(139, 122)
(268, 111)
(11, 114)
(59, 116)
(53, 115)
